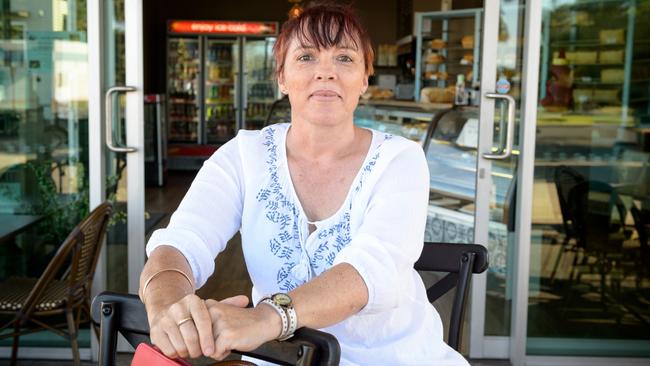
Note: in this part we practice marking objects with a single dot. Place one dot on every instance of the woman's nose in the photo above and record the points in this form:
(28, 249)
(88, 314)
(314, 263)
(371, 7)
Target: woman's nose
(325, 71)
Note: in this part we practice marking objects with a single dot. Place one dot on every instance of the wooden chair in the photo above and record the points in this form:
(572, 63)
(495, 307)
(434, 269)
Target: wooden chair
(63, 290)
(125, 313)
(460, 261)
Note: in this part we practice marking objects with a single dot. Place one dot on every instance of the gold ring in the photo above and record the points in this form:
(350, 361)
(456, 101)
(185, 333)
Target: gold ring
(184, 320)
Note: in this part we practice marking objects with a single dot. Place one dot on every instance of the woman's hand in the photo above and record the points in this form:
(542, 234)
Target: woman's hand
(236, 327)
(183, 328)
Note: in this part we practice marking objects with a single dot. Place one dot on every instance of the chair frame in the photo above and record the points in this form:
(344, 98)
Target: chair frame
(76, 303)
(126, 314)
(460, 261)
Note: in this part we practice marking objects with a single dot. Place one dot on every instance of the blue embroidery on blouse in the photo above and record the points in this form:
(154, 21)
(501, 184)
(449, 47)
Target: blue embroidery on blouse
(281, 210)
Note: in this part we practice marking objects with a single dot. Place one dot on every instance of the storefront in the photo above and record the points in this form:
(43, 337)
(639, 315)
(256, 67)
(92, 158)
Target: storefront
(547, 161)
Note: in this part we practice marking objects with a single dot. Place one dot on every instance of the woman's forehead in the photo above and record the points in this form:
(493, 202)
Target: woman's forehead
(345, 42)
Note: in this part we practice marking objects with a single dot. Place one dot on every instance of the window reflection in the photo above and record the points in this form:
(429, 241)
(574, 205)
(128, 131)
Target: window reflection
(43, 128)
(589, 271)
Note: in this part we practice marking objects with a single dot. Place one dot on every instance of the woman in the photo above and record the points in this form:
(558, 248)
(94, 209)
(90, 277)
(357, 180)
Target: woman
(331, 217)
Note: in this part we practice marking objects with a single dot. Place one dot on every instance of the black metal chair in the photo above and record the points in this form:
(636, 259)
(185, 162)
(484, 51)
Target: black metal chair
(593, 204)
(125, 313)
(460, 261)
(565, 178)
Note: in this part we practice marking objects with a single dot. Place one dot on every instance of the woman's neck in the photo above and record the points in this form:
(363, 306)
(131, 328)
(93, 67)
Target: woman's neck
(317, 142)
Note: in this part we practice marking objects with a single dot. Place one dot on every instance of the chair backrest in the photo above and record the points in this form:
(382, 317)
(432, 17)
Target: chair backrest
(80, 250)
(565, 179)
(640, 224)
(460, 261)
(278, 105)
(592, 204)
(125, 313)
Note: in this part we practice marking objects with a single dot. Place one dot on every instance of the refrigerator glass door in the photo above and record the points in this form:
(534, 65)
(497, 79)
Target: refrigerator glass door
(220, 96)
(259, 86)
(183, 73)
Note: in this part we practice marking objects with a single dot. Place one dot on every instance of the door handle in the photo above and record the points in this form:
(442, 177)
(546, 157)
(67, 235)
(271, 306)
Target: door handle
(504, 152)
(108, 101)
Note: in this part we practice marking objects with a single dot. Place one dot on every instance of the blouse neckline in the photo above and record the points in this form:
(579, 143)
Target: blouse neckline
(287, 174)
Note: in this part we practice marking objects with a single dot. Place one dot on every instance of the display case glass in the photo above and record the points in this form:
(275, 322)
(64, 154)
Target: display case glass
(183, 77)
(449, 139)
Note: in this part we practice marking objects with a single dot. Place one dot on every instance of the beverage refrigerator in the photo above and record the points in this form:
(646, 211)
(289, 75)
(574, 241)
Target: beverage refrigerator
(219, 80)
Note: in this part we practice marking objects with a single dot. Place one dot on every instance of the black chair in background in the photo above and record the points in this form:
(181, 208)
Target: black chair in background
(592, 205)
(460, 261)
(279, 112)
(565, 179)
(126, 314)
(641, 221)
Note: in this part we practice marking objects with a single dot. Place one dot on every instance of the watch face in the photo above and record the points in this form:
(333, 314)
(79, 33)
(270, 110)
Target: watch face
(282, 299)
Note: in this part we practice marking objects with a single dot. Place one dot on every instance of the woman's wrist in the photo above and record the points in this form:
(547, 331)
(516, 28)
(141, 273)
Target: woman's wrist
(162, 295)
(271, 319)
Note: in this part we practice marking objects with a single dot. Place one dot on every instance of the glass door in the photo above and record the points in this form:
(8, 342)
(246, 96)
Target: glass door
(183, 78)
(477, 153)
(589, 265)
(259, 90)
(220, 90)
(116, 142)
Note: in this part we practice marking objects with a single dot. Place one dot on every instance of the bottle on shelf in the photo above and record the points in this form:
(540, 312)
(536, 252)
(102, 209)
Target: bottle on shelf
(461, 93)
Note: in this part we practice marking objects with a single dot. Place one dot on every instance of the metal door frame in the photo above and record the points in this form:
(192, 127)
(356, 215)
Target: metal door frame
(512, 347)
(134, 135)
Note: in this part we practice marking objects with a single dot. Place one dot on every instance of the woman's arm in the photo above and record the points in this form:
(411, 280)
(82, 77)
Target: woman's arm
(335, 295)
(169, 299)
(330, 298)
(181, 257)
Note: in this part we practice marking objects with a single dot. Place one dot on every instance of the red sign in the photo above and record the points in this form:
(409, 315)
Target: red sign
(223, 27)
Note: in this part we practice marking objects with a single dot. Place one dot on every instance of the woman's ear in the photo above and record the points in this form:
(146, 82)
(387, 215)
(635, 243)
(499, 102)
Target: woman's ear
(364, 85)
(281, 84)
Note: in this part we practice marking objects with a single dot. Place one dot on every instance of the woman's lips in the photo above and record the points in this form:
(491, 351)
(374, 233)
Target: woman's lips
(325, 95)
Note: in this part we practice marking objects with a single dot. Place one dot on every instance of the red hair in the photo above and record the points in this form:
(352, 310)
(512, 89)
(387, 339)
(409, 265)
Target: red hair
(324, 25)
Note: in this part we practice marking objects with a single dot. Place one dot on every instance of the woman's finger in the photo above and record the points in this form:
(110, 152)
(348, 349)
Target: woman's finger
(191, 338)
(159, 339)
(203, 324)
(240, 301)
(174, 334)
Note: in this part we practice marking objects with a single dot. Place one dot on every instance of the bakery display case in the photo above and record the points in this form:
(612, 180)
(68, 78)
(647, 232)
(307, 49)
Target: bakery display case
(595, 59)
(447, 47)
(449, 137)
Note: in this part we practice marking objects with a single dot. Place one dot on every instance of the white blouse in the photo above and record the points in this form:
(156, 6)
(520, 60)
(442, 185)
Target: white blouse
(379, 230)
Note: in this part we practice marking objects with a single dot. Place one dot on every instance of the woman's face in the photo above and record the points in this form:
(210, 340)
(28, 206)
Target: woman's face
(323, 85)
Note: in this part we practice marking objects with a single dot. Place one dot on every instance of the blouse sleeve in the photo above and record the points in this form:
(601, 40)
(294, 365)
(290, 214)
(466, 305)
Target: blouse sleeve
(209, 214)
(390, 238)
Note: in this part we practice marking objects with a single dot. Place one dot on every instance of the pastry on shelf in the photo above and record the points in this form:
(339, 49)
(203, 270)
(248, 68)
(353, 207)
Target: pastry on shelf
(467, 59)
(467, 42)
(611, 57)
(612, 36)
(607, 95)
(438, 44)
(375, 92)
(437, 95)
(612, 75)
(435, 59)
(436, 75)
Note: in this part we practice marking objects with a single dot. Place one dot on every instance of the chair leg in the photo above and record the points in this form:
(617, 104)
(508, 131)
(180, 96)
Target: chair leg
(14, 346)
(72, 330)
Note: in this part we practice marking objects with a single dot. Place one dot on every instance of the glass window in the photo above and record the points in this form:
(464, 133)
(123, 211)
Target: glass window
(590, 283)
(43, 135)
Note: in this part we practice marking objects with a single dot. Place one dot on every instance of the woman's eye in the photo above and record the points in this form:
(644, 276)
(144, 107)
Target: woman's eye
(304, 58)
(345, 58)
